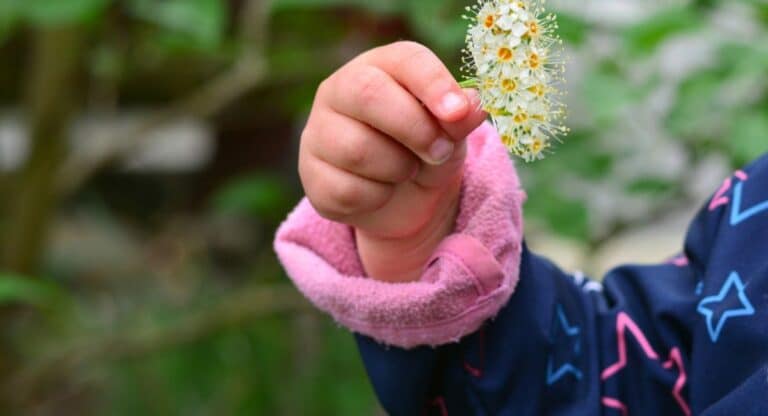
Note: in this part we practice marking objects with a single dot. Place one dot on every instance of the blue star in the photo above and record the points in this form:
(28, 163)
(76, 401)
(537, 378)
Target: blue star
(737, 215)
(745, 309)
(567, 368)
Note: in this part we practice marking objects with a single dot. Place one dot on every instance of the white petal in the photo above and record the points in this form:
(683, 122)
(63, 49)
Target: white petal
(519, 29)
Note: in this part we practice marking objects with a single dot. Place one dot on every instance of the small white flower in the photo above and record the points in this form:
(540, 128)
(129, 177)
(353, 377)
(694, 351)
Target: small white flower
(512, 59)
(519, 29)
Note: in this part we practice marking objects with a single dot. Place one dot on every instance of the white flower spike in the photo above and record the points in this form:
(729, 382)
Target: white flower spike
(513, 57)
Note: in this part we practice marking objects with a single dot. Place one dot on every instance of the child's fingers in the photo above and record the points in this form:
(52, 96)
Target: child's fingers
(369, 94)
(360, 149)
(473, 120)
(422, 73)
(337, 194)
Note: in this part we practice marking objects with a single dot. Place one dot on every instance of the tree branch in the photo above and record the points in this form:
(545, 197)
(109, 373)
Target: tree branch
(50, 89)
(248, 72)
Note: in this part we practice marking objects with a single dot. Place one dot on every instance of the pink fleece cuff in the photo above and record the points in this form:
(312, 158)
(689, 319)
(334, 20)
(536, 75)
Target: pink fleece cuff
(470, 277)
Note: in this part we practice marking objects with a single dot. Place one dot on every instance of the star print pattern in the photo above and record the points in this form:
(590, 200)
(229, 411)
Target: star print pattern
(724, 302)
(568, 338)
(683, 337)
(738, 215)
(624, 324)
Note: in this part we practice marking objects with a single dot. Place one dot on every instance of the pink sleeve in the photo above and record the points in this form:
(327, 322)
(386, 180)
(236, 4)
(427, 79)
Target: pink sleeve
(470, 277)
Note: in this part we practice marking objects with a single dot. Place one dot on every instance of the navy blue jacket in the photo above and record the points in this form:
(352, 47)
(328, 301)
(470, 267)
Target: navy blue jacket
(686, 337)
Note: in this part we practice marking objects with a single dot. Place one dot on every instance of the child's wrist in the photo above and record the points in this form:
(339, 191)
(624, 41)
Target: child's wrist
(403, 259)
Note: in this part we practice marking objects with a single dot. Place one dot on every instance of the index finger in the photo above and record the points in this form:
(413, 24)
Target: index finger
(422, 73)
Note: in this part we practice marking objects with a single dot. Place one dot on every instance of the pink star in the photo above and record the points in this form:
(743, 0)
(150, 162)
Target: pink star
(624, 323)
(680, 261)
(720, 199)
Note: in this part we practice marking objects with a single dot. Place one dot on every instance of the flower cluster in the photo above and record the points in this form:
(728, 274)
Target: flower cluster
(513, 58)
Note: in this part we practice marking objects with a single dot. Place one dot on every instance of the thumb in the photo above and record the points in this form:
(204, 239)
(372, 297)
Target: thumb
(431, 176)
(437, 176)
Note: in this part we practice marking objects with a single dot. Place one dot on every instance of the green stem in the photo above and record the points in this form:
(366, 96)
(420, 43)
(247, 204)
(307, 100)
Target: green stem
(469, 83)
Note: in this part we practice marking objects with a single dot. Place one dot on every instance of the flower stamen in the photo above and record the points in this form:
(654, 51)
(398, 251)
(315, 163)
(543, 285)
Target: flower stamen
(505, 54)
(508, 85)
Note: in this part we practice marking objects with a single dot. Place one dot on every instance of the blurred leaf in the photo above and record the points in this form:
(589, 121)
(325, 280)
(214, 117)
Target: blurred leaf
(744, 58)
(573, 29)
(761, 9)
(257, 195)
(653, 186)
(703, 109)
(58, 12)
(594, 166)
(645, 36)
(748, 137)
(9, 16)
(16, 289)
(591, 165)
(607, 93)
(198, 22)
(565, 217)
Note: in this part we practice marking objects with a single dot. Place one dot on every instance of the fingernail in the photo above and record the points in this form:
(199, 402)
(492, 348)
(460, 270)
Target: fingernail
(441, 151)
(452, 103)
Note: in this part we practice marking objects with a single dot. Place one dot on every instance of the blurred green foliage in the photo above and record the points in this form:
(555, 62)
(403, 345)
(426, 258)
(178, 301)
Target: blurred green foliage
(16, 289)
(655, 99)
(244, 372)
(198, 24)
(49, 13)
(644, 37)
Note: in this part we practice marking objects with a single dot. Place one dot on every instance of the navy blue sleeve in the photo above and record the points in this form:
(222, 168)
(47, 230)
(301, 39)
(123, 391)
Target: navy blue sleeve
(686, 337)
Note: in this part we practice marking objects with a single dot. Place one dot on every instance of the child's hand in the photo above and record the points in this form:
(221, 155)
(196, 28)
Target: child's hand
(383, 151)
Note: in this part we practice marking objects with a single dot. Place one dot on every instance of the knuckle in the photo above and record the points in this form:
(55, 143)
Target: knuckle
(368, 83)
(413, 51)
(410, 46)
(325, 211)
(434, 76)
(325, 206)
(356, 154)
(348, 195)
(380, 197)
